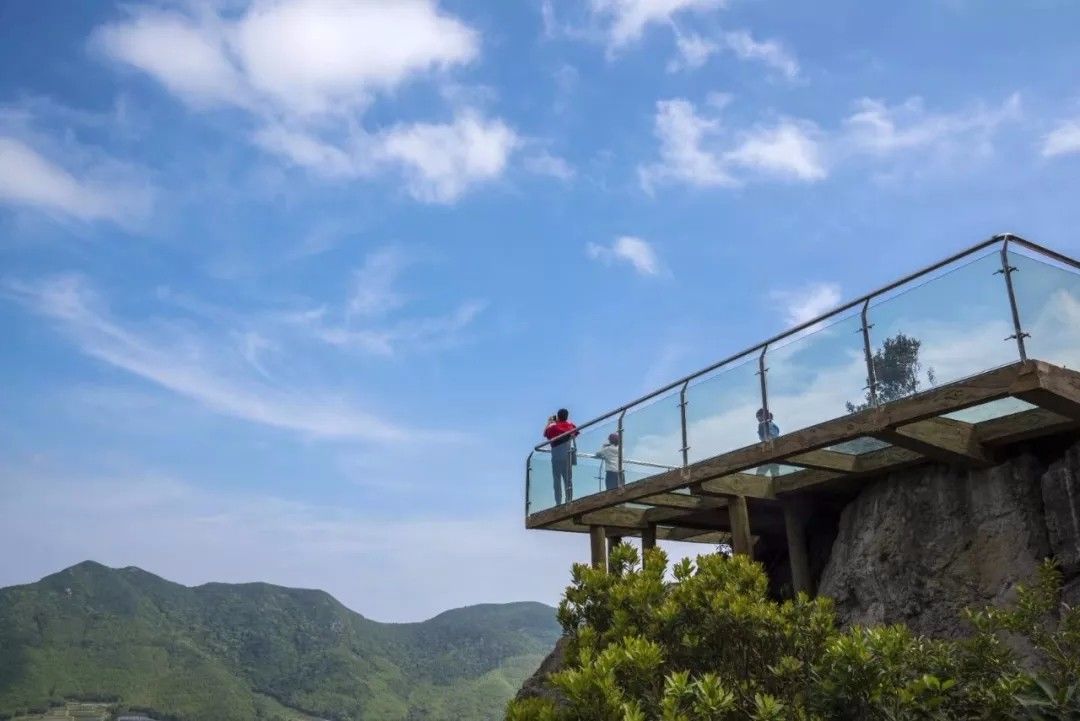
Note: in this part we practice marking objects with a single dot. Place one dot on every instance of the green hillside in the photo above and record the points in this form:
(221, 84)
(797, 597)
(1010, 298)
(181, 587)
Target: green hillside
(223, 652)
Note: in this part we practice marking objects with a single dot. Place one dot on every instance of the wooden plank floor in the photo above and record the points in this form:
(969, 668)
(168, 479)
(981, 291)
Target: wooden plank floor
(916, 428)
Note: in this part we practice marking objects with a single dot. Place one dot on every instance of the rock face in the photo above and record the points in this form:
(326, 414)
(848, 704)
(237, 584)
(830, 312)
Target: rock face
(536, 686)
(920, 545)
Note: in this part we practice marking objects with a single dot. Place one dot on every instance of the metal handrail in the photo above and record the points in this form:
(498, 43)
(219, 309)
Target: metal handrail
(1003, 238)
(584, 454)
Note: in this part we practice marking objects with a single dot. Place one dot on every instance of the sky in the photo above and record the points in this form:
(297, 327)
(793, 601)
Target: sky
(289, 287)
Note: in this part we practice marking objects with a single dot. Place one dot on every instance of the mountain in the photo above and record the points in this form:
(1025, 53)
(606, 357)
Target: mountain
(225, 652)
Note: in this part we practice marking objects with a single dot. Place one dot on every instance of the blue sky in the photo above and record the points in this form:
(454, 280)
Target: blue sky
(288, 287)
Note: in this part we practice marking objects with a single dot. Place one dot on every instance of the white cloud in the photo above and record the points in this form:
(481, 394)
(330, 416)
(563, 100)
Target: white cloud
(201, 369)
(695, 150)
(374, 285)
(808, 302)
(1062, 140)
(302, 57)
(310, 55)
(684, 156)
(370, 321)
(306, 70)
(441, 161)
(627, 19)
(770, 52)
(544, 163)
(787, 150)
(638, 253)
(694, 52)
(28, 178)
(188, 58)
(876, 128)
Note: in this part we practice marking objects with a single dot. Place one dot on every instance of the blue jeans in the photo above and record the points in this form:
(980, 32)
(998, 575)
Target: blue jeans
(562, 473)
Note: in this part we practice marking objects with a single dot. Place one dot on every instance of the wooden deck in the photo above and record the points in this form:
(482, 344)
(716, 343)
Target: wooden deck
(715, 501)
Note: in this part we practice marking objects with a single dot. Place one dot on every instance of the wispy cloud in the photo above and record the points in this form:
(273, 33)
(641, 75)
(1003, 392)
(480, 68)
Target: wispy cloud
(29, 178)
(626, 20)
(879, 129)
(306, 71)
(696, 149)
(202, 369)
(808, 302)
(633, 251)
(544, 163)
(1062, 140)
(771, 53)
(695, 50)
(371, 320)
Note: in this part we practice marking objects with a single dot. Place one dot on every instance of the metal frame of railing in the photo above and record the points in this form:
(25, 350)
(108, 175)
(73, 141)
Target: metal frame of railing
(1007, 269)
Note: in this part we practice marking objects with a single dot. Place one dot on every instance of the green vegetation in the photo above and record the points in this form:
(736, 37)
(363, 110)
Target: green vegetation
(244, 652)
(712, 647)
(896, 368)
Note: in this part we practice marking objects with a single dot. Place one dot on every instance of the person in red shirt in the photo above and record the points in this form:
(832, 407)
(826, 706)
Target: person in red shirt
(561, 432)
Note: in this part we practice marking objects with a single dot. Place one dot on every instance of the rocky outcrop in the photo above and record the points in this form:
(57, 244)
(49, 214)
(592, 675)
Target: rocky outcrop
(920, 545)
(536, 686)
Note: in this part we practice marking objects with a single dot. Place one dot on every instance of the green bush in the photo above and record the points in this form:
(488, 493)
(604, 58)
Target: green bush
(711, 646)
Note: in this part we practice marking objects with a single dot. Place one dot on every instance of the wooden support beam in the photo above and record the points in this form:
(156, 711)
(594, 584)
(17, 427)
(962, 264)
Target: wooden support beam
(1022, 426)
(693, 535)
(1051, 401)
(681, 500)
(735, 484)
(739, 519)
(648, 538)
(804, 479)
(598, 546)
(795, 515)
(824, 460)
(940, 439)
(637, 518)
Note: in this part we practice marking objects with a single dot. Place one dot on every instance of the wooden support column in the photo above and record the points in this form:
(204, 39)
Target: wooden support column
(598, 542)
(739, 517)
(648, 538)
(795, 525)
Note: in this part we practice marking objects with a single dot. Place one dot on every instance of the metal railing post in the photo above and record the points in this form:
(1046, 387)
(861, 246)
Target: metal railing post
(762, 370)
(528, 483)
(682, 424)
(871, 373)
(619, 430)
(1007, 270)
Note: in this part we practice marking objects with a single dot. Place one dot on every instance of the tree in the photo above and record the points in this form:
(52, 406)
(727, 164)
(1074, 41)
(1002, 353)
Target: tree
(711, 646)
(896, 369)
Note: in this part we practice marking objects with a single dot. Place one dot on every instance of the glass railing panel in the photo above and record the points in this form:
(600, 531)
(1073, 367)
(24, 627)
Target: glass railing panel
(944, 330)
(720, 410)
(1048, 299)
(818, 376)
(589, 471)
(541, 490)
(652, 437)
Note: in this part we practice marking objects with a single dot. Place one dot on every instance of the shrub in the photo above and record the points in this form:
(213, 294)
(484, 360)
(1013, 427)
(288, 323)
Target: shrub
(711, 646)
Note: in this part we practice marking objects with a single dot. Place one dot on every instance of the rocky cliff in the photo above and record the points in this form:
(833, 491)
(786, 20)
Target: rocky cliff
(920, 545)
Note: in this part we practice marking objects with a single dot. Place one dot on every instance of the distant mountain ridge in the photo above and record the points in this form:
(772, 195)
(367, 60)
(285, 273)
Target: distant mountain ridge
(224, 652)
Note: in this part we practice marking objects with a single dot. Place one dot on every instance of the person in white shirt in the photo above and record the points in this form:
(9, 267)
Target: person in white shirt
(613, 477)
